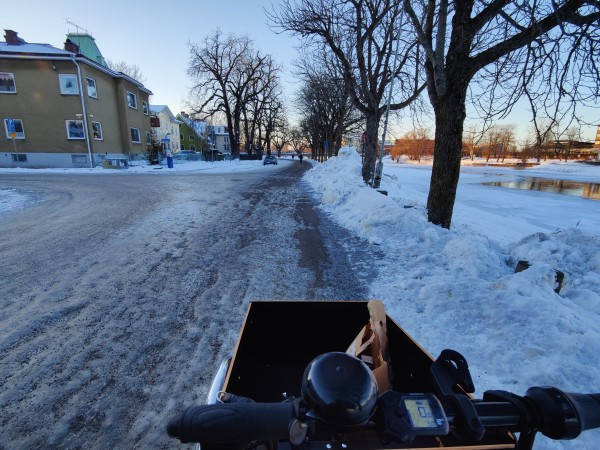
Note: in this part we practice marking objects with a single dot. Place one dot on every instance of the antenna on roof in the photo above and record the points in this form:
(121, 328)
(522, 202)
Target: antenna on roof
(78, 28)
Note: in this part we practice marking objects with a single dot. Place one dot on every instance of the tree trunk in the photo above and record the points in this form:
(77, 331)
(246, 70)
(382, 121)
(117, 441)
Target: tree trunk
(372, 128)
(449, 120)
(234, 134)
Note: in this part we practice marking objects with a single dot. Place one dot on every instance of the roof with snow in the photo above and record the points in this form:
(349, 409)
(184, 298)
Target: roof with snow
(17, 47)
(32, 49)
(199, 126)
(157, 109)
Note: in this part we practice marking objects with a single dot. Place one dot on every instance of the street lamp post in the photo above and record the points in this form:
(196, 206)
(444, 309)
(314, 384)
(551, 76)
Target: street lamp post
(378, 172)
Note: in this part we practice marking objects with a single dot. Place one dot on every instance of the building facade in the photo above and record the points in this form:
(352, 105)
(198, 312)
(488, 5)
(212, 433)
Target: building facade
(192, 133)
(219, 137)
(61, 108)
(165, 128)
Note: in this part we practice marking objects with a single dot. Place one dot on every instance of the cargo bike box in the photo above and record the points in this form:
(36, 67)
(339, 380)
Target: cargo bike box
(279, 339)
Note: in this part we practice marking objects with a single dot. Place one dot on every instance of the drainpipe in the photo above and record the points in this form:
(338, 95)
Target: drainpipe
(84, 110)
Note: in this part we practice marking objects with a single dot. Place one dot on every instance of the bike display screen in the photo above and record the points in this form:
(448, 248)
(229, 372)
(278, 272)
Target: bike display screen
(420, 413)
(424, 414)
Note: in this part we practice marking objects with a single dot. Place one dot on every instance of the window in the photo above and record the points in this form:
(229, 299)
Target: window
(131, 100)
(97, 131)
(19, 157)
(181, 136)
(68, 84)
(191, 137)
(91, 87)
(7, 83)
(145, 108)
(79, 159)
(14, 126)
(193, 148)
(135, 135)
(75, 129)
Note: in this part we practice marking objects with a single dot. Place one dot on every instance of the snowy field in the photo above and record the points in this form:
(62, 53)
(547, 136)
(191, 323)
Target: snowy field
(458, 288)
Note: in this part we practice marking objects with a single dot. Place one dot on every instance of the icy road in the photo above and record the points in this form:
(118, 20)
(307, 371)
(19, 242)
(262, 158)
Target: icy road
(121, 293)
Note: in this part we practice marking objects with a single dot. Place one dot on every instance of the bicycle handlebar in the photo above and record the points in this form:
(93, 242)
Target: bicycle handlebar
(588, 407)
(329, 396)
(554, 413)
(235, 422)
(563, 415)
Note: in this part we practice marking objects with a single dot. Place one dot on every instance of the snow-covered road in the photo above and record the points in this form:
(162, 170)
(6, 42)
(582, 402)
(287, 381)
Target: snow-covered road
(119, 296)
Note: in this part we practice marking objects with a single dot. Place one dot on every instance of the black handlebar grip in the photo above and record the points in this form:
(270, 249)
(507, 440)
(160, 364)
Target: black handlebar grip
(234, 422)
(588, 409)
(563, 415)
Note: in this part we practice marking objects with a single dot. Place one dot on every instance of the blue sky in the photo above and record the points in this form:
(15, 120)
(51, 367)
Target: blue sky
(155, 34)
(152, 34)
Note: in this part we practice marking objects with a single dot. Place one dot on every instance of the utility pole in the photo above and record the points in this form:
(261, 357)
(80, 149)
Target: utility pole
(378, 172)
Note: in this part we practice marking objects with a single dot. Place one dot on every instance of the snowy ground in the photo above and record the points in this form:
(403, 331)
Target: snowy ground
(458, 288)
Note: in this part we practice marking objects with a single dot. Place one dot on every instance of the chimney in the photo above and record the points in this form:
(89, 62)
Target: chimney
(71, 46)
(12, 38)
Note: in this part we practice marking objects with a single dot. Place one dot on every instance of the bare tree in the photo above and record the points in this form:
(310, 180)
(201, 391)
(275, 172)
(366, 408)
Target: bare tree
(415, 144)
(573, 135)
(546, 46)
(281, 133)
(273, 120)
(542, 132)
(263, 109)
(472, 140)
(324, 101)
(229, 75)
(499, 140)
(508, 141)
(131, 70)
(361, 35)
(297, 140)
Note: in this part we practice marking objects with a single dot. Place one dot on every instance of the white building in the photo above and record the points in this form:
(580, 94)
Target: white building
(219, 136)
(165, 127)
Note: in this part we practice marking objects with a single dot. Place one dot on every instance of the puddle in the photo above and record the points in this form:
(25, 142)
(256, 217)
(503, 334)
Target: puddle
(576, 188)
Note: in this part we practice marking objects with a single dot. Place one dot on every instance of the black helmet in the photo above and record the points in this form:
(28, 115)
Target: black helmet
(339, 389)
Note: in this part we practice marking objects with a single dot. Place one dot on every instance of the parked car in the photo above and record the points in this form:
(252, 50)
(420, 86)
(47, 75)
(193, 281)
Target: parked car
(269, 159)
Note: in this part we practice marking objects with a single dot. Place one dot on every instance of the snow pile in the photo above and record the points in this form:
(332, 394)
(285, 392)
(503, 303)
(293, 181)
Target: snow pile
(458, 288)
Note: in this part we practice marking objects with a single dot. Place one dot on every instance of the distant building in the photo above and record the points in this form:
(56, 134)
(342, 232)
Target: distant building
(165, 128)
(357, 140)
(219, 137)
(193, 133)
(354, 140)
(597, 141)
(65, 107)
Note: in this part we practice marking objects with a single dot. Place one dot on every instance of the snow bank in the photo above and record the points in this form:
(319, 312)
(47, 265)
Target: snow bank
(458, 288)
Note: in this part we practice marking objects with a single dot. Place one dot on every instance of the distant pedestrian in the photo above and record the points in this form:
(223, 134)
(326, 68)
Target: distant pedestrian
(301, 156)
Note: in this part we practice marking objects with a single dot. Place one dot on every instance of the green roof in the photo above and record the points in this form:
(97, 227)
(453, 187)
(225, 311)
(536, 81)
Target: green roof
(87, 47)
